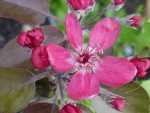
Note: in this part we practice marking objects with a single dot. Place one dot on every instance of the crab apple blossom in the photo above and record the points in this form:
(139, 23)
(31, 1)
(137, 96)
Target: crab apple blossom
(40, 57)
(134, 21)
(81, 4)
(118, 103)
(70, 108)
(90, 69)
(142, 65)
(32, 38)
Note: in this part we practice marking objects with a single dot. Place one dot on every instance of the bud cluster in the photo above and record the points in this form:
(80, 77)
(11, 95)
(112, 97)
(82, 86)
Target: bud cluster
(33, 39)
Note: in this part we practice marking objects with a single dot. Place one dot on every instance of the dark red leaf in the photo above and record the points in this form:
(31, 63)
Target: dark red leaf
(53, 34)
(26, 11)
(41, 108)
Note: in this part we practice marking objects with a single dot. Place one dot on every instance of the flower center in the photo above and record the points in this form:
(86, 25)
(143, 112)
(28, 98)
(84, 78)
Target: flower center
(83, 58)
(87, 60)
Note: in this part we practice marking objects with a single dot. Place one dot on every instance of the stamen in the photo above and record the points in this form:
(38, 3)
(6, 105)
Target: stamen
(87, 60)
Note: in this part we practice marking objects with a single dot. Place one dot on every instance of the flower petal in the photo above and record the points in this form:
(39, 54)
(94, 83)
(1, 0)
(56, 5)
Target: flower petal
(59, 57)
(115, 72)
(83, 86)
(104, 34)
(74, 31)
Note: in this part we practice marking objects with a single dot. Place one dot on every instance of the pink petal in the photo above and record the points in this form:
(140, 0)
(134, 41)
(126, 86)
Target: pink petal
(83, 86)
(59, 57)
(115, 72)
(40, 58)
(74, 31)
(104, 34)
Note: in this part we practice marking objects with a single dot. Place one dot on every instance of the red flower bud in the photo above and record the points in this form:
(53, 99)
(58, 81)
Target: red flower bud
(118, 2)
(80, 4)
(69, 108)
(118, 103)
(32, 38)
(40, 58)
(135, 21)
(142, 65)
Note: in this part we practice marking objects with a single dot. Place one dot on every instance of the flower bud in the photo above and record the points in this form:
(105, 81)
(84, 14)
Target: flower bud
(40, 58)
(135, 21)
(32, 38)
(142, 65)
(69, 108)
(118, 103)
(80, 4)
(118, 2)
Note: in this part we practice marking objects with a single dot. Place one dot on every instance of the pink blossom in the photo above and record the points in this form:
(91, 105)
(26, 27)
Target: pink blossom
(32, 38)
(40, 58)
(70, 108)
(90, 68)
(80, 4)
(142, 65)
(118, 103)
(135, 21)
(118, 2)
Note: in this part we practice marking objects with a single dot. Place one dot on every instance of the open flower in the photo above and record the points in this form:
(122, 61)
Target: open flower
(90, 68)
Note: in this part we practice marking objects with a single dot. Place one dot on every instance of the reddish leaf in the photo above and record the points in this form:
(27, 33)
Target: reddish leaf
(53, 34)
(41, 108)
(26, 11)
(13, 54)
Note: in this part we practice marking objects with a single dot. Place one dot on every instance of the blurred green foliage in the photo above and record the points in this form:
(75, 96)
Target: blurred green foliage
(58, 8)
(134, 42)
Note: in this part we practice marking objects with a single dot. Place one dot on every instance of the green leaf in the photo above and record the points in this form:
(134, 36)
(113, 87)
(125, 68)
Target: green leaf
(86, 102)
(56, 5)
(13, 97)
(136, 97)
(86, 105)
(146, 85)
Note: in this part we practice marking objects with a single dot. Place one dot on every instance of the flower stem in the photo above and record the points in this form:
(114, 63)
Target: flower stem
(107, 95)
(60, 87)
